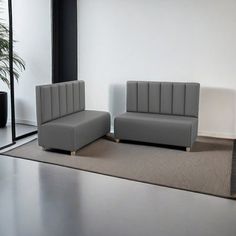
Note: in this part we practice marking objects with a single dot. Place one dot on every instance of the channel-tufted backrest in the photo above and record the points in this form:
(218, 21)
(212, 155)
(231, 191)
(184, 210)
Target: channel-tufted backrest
(163, 98)
(58, 100)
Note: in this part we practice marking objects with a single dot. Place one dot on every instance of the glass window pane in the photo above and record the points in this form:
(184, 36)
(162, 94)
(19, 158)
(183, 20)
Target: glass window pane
(32, 35)
(5, 100)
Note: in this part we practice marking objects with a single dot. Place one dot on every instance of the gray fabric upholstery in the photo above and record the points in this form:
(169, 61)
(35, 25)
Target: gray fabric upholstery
(57, 100)
(156, 128)
(163, 98)
(74, 131)
(62, 120)
(160, 112)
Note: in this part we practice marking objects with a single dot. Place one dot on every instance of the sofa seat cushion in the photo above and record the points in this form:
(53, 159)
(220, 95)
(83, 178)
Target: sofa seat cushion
(156, 128)
(74, 131)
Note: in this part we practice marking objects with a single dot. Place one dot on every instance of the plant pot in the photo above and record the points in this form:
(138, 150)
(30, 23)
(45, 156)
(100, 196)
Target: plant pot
(3, 109)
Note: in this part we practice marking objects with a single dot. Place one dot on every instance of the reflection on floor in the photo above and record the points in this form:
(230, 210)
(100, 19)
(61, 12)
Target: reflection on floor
(41, 200)
(5, 136)
(21, 129)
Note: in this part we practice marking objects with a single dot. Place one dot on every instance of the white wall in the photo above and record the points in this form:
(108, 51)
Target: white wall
(169, 40)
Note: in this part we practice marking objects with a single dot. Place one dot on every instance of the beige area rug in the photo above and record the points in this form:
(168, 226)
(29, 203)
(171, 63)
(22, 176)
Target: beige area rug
(206, 169)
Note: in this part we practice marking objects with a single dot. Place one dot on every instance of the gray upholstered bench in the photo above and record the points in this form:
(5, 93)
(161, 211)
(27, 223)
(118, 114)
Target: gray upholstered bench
(63, 122)
(161, 113)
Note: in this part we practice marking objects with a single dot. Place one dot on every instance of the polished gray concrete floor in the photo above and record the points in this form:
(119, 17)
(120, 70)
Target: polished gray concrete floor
(39, 199)
(21, 129)
(5, 136)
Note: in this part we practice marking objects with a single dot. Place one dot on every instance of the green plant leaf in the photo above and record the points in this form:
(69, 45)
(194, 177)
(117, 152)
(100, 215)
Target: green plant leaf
(18, 62)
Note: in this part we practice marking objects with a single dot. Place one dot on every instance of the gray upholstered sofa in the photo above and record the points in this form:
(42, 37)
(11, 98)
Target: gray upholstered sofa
(63, 122)
(161, 113)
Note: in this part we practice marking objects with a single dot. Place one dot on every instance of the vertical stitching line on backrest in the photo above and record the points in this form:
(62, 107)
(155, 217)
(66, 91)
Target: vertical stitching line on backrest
(80, 100)
(77, 88)
(160, 98)
(197, 107)
(51, 101)
(59, 102)
(198, 101)
(41, 108)
(172, 98)
(81, 105)
(73, 98)
(137, 97)
(80, 96)
(185, 87)
(66, 100)
(84, 97)
(148, 97)
(127, 98)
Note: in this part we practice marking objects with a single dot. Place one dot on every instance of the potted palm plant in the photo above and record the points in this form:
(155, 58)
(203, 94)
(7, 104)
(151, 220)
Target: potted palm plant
(4, 68)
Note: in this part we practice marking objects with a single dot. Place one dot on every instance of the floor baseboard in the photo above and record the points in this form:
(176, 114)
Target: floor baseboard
(216, 135)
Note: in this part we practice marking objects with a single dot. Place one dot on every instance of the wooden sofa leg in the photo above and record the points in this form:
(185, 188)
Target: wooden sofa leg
(117, 140)
(73, 153)
(44, 149)
(188, 149)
